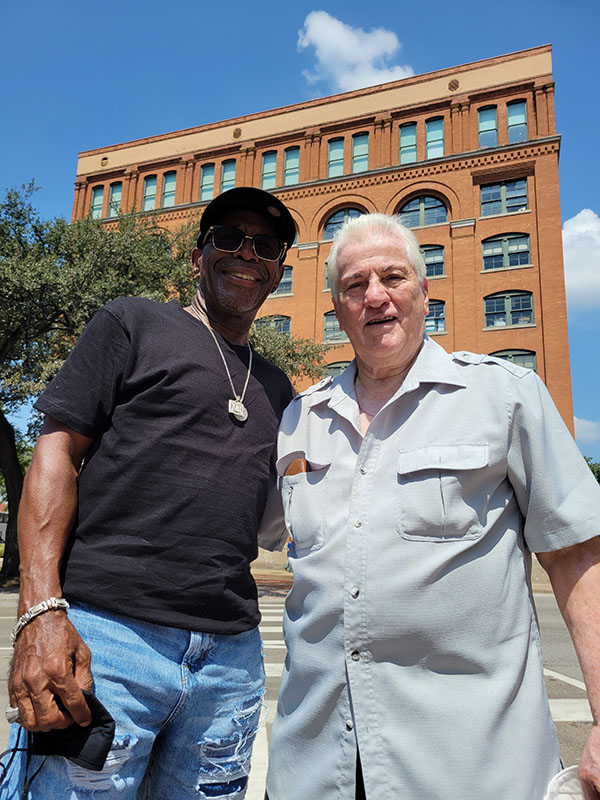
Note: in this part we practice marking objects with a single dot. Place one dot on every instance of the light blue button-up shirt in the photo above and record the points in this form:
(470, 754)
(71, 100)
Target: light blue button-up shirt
(410, 627)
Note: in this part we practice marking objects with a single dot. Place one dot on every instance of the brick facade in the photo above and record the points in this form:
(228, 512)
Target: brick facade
(490, 160)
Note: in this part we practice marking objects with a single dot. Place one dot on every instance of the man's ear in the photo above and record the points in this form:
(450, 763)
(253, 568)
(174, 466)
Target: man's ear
(196, 263)
(426, 295)
(335, 308)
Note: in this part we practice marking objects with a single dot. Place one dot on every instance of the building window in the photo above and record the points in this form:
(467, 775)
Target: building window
(168, 193)
(149, 198)
(433, 256)
(331, 329)
(488, 127)
(503, 252)
(509, 308)
(114, 199)
(227, 175)
(524, 358)
(507, 197)
(335, 158)
(335, 221)
(360, 152)
(435, 321)
(291, 166)
(423, 210)
(207, 182)
(285, 284)
(434, 131)
(335, 369)
(97, 200)
(408, 143)
(277, 321)
(269, 170)
(517, 121)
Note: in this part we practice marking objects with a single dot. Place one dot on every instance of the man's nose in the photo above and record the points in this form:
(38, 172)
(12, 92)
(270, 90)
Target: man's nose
(246, 249)
(375, 293)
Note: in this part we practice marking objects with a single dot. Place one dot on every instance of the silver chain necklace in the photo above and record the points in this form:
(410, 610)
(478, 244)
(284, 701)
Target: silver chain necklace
(236, 406)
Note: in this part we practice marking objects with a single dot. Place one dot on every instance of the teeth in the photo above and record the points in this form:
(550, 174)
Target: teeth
(243, 276)
(383, 319)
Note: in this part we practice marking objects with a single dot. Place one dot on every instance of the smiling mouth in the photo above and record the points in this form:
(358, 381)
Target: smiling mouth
(244, 276)
(381, 320)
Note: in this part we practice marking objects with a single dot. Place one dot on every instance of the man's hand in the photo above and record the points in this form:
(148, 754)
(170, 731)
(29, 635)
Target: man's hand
(589, 766)
(50, 667)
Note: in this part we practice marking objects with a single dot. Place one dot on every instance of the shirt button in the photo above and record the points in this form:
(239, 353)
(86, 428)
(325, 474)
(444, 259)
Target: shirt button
(357, 524)
(355, 655)
(349, 725)
(355, 592)
(363, 470)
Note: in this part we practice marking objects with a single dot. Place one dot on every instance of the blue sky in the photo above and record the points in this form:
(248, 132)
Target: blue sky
(77, 76)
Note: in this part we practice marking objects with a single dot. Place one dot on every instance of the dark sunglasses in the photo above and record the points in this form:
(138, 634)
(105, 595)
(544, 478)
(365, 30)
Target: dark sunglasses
(229, 240)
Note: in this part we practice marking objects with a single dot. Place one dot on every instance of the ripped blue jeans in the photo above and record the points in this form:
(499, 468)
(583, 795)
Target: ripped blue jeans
(187, 707)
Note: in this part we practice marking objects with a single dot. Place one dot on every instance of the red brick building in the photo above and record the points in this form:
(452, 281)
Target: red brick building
(467, 155)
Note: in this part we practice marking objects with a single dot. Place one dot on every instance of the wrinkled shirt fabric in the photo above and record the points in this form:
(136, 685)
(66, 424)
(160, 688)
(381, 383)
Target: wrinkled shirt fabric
(411, 630)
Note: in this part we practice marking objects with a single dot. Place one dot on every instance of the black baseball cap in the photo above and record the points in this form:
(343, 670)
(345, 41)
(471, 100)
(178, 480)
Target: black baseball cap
(247, 198)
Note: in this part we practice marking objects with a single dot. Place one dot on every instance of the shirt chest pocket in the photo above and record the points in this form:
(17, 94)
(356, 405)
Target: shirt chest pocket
(441, 492)
(304, 505)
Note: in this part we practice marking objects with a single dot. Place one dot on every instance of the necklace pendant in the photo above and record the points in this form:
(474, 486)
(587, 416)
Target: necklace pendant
(238, 409)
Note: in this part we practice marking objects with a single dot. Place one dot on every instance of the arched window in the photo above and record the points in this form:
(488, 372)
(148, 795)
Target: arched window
(97, 200)
(506, 251)
(168, 192)
(331, 329)
(423, 210)
(524, 358)
(280, 322)
(285, 284)
(336, 368)
(335, 221)
(149, 196)
(435, 321)
(114, 199)
(269, 170)
(433, 256)
(508, 308)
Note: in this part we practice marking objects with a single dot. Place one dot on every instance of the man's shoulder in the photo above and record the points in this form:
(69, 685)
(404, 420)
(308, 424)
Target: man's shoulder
(314, 390)
(133, 306)
(464, 358)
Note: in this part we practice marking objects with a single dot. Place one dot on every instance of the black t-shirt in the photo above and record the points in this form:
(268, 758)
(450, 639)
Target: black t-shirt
(172, 490)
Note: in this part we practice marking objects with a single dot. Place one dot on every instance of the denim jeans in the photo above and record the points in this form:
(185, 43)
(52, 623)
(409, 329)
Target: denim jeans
(186, 705)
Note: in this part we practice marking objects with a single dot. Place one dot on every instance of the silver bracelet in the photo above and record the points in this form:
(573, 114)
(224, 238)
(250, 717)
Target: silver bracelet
(51, 604)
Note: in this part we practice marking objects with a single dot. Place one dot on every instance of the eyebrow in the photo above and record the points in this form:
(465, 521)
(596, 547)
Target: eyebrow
(384, 270)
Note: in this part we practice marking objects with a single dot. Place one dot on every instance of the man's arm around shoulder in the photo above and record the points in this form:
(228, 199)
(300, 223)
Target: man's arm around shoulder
(575, 576)
(51, 662)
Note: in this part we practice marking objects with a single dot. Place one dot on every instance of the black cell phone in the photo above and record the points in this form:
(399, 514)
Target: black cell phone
(86, 746)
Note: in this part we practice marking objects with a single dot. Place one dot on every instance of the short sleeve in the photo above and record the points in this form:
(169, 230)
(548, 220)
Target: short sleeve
(557, 493)
(82, 395)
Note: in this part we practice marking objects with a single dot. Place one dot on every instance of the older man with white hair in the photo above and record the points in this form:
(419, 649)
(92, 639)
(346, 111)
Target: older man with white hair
(415, 487)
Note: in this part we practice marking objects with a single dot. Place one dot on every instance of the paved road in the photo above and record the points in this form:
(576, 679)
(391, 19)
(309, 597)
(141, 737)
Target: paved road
(563, 677)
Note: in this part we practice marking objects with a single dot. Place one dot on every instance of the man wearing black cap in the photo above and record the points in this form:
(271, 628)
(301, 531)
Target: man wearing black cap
(141, 509)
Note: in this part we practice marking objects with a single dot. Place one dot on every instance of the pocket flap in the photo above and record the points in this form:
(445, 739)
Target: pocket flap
(444, 456)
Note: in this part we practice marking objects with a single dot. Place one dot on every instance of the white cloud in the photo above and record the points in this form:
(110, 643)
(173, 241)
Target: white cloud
(349, 58)
(581, 247)
(586, 431)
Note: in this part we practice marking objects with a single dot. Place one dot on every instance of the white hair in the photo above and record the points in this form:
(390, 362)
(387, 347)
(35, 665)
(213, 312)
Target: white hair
(368, 224)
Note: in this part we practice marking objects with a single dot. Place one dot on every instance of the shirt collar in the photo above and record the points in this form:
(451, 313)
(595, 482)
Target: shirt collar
(432, 365)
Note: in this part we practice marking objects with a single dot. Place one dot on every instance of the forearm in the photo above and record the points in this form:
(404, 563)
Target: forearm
(47, 512)
(575, 576)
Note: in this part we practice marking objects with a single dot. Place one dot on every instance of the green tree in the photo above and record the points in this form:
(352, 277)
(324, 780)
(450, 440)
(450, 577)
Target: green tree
(594, 466)
(295, 356)
(53, 278)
